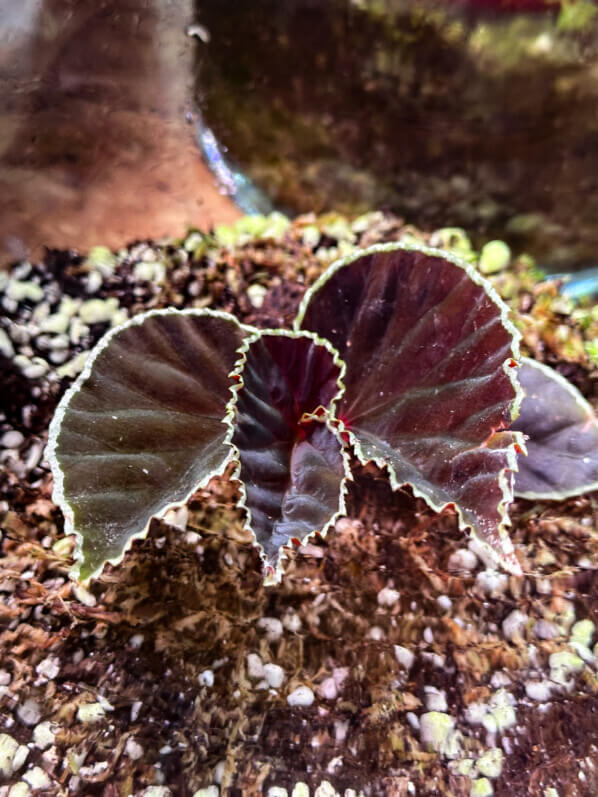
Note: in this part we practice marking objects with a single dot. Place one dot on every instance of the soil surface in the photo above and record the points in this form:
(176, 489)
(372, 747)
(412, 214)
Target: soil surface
(389, 661)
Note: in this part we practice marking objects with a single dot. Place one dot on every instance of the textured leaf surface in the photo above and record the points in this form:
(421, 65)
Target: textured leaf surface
(426, 345)
(142, 427)
(562, 430)
(291, 468)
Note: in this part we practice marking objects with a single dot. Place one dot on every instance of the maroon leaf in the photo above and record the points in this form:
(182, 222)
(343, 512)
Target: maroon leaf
(427, 345)
(291, 467)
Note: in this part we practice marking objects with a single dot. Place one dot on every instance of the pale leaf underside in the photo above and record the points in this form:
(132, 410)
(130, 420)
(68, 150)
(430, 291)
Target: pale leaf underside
(425, 348)
(144, 428)
(291, 468)
(562, 430)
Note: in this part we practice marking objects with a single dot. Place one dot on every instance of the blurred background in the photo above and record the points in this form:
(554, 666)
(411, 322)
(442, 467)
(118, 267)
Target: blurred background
(127, 119)
(97, 145)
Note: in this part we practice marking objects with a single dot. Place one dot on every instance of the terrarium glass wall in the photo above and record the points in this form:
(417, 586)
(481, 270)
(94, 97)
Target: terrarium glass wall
(478, 114)
(97, 141)
(475, 114)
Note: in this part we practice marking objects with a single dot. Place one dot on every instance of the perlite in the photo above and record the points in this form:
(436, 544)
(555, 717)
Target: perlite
(404, 656)
(43, 735)
(300, 790)
(326, 789)
(302, 696)
(437, 731)
(29, 712)
(37, 778)
(20, 789)
(91, 712)
(12, 755)
(495, 257)
(96, 311)
(21, 291)
(481, 788)
(582, 633)
(562, 664)
(490, 763)
(209, 791)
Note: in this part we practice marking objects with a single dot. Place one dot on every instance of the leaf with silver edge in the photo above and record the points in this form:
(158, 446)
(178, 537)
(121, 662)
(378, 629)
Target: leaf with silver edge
(292, 465)
(429, 384)
(142, 427)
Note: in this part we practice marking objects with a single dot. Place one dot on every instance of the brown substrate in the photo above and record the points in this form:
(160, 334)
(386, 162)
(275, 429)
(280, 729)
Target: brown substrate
(161, 643)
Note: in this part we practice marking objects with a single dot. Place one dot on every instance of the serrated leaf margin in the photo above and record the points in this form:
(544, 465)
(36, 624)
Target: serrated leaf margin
(509, 561)
(58, 496)
(273, 576)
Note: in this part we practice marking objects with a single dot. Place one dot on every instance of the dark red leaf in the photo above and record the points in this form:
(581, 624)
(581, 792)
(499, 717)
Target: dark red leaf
(427, 347)
(291, 467)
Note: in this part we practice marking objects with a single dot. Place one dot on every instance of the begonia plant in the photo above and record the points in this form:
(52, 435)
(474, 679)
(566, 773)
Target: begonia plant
(401, 355)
